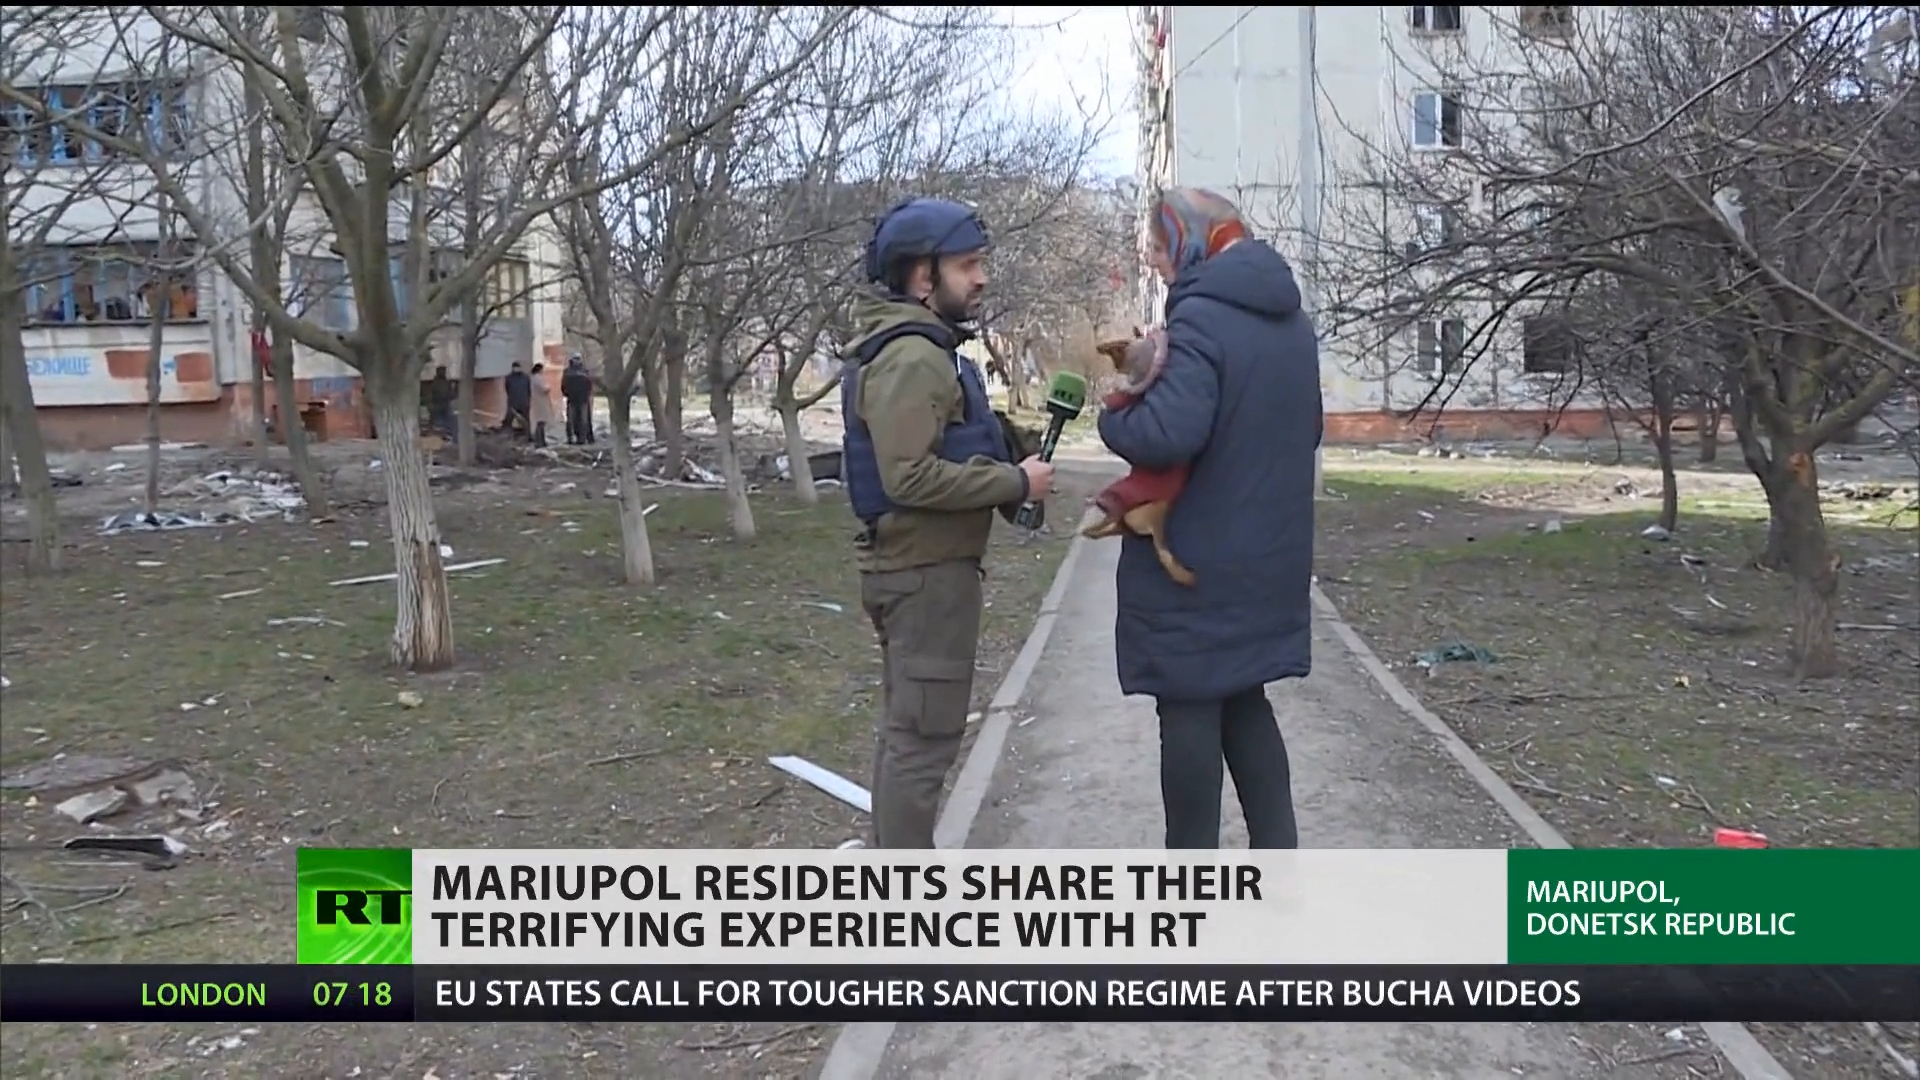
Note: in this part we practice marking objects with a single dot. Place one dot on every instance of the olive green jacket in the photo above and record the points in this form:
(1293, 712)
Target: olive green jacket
(907, 396)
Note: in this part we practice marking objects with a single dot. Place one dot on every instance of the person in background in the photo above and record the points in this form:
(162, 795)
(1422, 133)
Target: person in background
(576, 388)
(519, 398)
(926, 464)
(540, 407)
(442, 394)
(1238, 404)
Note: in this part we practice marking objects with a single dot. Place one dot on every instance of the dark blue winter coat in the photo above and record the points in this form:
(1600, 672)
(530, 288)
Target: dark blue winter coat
(1239, 400)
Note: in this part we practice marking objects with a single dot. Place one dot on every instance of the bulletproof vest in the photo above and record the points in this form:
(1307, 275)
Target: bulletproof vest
(976, 434)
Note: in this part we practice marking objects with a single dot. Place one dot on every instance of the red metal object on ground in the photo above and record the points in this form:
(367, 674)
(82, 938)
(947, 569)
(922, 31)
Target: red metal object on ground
(1734, 838)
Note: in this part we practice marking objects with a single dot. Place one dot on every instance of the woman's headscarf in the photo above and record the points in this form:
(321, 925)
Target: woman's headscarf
(1195, 224)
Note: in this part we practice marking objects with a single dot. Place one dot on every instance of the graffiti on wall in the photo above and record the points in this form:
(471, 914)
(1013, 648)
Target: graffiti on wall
(118, 377)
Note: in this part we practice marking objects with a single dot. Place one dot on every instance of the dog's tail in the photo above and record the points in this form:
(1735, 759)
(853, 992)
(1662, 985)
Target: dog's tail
(1173, 566)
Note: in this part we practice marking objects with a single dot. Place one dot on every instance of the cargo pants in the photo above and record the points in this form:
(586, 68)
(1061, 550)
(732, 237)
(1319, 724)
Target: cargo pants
(928, 621)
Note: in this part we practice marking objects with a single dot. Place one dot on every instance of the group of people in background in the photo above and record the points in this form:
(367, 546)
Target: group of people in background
(530, 402)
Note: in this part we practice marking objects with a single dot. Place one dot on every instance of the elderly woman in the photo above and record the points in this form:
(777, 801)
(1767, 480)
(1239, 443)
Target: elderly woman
(1238, 404)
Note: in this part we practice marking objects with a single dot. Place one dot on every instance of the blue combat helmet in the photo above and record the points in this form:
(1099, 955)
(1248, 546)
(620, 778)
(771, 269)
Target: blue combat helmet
(922, 228)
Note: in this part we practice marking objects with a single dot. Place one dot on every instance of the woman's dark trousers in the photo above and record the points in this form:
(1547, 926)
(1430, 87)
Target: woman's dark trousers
(1196, 739)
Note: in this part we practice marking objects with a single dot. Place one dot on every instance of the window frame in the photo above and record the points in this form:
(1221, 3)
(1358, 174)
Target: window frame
(1557, 333)
(1422, 19)
(59, 274)
(1534, 22)
(329, 296)
(1442, 101)
(1445, 338)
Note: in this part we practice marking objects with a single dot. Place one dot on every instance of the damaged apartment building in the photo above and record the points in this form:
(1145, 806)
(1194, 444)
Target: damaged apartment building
(1268, 105)
(101, 264)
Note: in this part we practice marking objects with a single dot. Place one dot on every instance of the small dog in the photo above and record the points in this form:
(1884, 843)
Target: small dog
(1138, 503)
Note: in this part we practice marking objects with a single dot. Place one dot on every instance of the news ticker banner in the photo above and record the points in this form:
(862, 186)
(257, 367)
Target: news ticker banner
(832, 936)
(864, 907)
(816, 993)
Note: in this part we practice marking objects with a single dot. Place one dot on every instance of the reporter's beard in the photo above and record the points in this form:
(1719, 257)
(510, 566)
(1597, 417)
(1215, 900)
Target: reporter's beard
(956, 309)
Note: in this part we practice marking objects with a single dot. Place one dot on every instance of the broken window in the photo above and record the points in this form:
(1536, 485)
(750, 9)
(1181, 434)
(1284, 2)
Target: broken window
(1435, 18)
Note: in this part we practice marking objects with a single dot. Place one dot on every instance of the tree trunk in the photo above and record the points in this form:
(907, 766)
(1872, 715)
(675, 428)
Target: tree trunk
(29, 448)
(9, 477)
(158, 308)
(669, 424)
(262, 446)
(463, 396)
(797, 464)
(1794, 499)
(1013, 366)
(1710, 434)
(1662, 395)
(299, 456)
(636, 547)
(423, 622)
(739, 510)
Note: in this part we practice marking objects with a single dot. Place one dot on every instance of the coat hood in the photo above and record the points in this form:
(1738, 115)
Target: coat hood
(1250, 276)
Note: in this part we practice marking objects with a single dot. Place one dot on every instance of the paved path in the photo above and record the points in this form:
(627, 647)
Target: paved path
(1080, 771)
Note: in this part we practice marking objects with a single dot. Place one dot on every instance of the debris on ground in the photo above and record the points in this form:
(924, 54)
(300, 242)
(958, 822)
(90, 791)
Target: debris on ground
(249, 496)
(826, 780)
(153, 847)
(305, 620)
(63, 479)
(1456, 652)
(454, 569)
(72, 772)
(164, 521)
(1656, 532)
(141, 448)
(1861, 491)
(411, 699)
(102, 787)
(1738, 838)
(90, 806)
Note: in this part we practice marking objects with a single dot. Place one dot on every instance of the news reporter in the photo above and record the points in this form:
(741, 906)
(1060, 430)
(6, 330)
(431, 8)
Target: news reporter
(1238, 402)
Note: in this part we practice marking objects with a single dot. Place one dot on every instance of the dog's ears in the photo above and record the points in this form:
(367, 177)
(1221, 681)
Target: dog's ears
(1114, 351)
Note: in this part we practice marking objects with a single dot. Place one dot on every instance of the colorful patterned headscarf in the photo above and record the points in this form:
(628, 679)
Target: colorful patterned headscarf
(1195, 224)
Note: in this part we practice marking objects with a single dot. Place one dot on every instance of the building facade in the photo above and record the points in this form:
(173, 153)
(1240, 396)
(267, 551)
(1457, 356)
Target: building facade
(99, 268)
(1279, 108)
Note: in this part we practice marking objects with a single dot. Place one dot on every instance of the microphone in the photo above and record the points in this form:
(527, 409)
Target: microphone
(1066, 396)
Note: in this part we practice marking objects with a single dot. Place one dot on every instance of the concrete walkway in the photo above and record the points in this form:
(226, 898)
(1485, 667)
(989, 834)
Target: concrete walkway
(1080, 770)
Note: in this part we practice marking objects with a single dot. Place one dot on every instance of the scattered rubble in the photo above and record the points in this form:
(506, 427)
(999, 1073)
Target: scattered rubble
(90, 806)
(1455, 652)
(249, 497)
(94, 788)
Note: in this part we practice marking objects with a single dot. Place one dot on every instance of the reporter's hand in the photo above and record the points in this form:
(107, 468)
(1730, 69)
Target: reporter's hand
(1039, 478)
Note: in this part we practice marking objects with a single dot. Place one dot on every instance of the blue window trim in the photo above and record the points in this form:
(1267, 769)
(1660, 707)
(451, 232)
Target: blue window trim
(397, 273)
(104, 107)
(22, 122)
(58, 137)
(59, 266)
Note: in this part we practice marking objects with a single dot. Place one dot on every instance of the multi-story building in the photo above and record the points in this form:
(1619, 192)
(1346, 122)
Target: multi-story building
(88, 228)
(1277, 107)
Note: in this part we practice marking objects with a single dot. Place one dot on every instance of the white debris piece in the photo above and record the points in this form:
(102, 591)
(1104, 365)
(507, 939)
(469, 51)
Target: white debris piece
(826, 780)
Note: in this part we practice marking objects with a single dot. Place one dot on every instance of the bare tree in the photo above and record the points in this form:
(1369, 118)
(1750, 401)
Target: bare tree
(270, 179)
(639, 232)
(1746, 167)
(355, 94)
(65, 199)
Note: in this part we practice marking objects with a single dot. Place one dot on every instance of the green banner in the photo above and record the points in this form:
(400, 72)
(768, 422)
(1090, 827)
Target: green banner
(355, 906)
(1714, 906)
